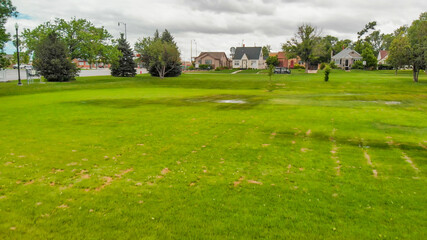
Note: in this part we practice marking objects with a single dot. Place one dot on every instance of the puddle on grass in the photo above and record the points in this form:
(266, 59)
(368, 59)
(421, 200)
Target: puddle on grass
(236, 101)
(220, 101)
(393, 103)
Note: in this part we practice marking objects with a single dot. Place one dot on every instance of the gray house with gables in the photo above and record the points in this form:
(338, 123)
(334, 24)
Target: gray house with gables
(346, 58)
(248, 57)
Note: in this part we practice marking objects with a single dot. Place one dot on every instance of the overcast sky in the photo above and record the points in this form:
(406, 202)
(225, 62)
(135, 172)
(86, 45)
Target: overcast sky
(217, 25)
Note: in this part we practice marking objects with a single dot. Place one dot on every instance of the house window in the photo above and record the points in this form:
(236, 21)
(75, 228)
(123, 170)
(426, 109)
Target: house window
(200, 61)
(236, 63)
(208, 62)
(253, 63)
(81, 63)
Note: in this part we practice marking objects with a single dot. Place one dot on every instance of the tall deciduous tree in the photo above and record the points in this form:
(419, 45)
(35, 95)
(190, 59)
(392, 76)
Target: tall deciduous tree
(306, 44)
(52, 61)
(266, 50)
(400, 52)
(82, 38)
(124, 66)
(417, 34)
(369, 56)
(6, 10)
(160, 55)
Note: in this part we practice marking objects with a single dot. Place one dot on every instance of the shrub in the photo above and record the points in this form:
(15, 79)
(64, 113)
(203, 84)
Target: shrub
(297, 66)
(205, 67)
(385, 67)
(191, 67)
(327, 72)
(51, 60)
(357, 65)
(333, 65)
(322, 66)
(217, 69)
(273, 60)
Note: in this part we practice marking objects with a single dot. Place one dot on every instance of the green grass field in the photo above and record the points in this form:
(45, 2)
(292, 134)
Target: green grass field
(215, 156)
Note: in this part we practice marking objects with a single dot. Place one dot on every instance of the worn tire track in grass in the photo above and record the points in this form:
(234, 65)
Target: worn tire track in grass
(369, 161)
(334, 152)
(404, 155)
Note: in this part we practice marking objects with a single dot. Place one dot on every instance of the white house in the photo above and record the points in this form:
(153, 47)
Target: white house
(382, 57)
(248, 57)
(346, 58)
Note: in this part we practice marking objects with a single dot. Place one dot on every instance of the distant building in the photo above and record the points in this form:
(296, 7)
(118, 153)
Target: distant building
(285, 62)
(214, 59)
(382, 57)
(83, 64)
(346, 58)
(249, 57)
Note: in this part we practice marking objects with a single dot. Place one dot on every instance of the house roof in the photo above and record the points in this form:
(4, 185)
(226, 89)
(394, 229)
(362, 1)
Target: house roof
(251, 52)
(214, 55)
(347, 53)
(382, 54)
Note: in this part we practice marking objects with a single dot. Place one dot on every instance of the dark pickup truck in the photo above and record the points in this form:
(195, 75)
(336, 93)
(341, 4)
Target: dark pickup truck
(282, 70)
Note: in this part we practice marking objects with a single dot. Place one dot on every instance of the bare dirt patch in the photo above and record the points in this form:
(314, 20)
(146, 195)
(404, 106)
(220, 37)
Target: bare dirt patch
(254, 182)
(409, 160)
(237, 183)
(109, 180)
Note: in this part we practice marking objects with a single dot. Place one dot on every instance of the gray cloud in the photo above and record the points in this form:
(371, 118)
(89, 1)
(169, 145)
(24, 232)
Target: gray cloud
(217, 25)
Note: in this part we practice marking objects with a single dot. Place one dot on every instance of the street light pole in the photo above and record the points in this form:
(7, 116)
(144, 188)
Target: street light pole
(126, 35)
(17, 53)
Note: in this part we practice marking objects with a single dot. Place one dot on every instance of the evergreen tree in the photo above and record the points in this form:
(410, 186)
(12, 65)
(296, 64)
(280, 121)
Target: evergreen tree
(124, 66)
(52, 61)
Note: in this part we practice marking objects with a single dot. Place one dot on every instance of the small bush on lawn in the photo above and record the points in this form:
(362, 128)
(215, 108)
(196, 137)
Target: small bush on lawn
(327, 72)
(322, 66)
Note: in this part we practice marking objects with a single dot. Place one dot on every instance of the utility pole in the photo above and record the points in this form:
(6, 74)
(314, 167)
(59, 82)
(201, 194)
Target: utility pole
(126, 35)
(17, 53)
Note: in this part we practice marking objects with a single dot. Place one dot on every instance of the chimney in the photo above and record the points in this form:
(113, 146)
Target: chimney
(243, 45)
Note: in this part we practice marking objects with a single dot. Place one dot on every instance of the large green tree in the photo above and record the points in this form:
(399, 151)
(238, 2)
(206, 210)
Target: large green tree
(417, 35)
(400, 52)
(52, 61)
(7, 10)
(83, 39)
(306, 44)
(369, 56)
(160, 55)
(124, 66)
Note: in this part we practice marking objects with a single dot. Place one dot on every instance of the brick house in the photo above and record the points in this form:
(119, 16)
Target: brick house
(285, 62)
(214, 59)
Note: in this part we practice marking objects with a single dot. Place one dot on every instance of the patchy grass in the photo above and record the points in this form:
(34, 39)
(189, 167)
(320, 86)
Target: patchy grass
(115, 158)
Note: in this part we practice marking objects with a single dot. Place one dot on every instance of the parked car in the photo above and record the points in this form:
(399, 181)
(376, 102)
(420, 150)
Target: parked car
(22, 66)
(282, 70)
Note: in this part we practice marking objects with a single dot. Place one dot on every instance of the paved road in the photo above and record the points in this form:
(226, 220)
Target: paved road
(12, 74)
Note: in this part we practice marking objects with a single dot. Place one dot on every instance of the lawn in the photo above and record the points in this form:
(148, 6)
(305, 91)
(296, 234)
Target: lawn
(215, 156)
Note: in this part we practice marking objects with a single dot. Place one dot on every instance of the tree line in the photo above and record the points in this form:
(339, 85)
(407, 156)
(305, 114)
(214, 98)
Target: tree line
(81, 39)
